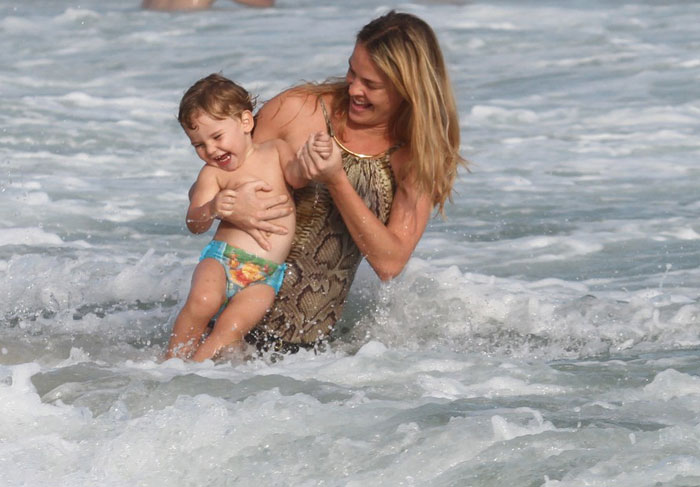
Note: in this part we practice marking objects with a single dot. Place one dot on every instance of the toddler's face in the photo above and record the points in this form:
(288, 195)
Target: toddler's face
(221, 143)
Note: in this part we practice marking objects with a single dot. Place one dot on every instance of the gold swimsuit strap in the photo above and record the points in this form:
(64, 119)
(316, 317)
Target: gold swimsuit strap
(331, 132)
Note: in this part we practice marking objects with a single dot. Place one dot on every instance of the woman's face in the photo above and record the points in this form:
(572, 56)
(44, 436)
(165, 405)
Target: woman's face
(373, 98)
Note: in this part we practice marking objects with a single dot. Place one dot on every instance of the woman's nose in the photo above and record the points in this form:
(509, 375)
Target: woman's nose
(354, 88)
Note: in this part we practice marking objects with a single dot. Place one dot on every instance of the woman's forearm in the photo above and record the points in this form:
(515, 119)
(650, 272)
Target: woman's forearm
(388, 247)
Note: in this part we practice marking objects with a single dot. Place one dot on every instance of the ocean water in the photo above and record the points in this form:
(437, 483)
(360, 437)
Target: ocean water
(545, 334)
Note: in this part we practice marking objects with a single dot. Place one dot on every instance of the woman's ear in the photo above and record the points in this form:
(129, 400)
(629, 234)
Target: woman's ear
(247, 121)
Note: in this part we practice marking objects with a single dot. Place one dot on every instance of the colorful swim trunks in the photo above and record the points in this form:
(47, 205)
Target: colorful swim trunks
(242, 268)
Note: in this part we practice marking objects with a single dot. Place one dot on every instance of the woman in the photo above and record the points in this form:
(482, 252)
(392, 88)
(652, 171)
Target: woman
(395, 104)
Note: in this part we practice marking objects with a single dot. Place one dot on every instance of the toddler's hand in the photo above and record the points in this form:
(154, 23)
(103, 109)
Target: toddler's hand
(223, 203)
(322, 144)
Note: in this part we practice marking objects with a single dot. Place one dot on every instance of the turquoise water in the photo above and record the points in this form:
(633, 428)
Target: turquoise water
(544, 334)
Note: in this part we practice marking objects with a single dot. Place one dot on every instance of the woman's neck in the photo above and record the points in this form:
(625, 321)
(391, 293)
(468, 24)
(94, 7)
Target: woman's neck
(365, 139)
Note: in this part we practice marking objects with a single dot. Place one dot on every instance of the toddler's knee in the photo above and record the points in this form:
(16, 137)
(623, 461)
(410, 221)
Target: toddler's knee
(204, 303)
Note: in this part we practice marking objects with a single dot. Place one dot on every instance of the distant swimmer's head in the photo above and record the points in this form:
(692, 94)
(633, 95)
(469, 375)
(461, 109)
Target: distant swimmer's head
(215, 96)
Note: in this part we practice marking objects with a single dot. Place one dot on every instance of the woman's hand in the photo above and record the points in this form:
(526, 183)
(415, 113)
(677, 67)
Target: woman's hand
(320, 159)
(252, 212)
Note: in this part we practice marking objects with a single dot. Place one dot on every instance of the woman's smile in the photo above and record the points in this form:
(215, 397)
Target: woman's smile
(359, 105)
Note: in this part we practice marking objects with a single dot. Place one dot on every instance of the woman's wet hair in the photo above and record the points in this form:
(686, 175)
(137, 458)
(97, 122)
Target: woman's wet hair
(406, 49)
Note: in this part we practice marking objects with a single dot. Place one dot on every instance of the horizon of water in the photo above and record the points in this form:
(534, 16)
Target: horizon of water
(546, 333)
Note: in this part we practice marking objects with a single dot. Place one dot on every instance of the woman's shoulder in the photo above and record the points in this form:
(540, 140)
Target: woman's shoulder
(290, 103)
(288, 116)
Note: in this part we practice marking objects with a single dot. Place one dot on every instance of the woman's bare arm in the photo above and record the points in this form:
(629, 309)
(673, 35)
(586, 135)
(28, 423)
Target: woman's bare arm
(388, 247)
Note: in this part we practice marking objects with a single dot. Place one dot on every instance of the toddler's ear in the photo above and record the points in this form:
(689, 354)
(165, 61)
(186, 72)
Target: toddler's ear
(247, 121)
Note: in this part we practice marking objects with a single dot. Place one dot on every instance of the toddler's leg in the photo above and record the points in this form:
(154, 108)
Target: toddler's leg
(245, 309)
(207, 294)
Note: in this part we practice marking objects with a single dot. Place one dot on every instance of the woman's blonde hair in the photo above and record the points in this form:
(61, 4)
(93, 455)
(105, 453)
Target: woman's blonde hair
(406, 50)
(215, 95)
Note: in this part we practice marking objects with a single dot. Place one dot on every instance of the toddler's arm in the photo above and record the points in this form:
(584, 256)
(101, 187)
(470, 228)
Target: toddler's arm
(208, 202)
(289, 162)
